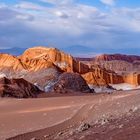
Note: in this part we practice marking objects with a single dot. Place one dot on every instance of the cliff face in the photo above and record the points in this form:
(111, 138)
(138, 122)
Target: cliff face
(12, 62)
(133, 79)
(41, 57)
(101, 77)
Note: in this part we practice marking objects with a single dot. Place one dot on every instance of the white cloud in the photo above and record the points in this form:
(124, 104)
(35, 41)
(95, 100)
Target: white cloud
(69, 24)
(108, 2)
(59, 2)
(28, 6)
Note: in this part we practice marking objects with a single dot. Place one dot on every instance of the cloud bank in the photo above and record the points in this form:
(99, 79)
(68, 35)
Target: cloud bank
(67, 23)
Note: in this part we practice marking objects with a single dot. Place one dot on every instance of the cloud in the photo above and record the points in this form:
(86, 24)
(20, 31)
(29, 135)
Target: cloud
(27, 24)
(59, 2)
(28, 6)
(108, 2)
(7, 14)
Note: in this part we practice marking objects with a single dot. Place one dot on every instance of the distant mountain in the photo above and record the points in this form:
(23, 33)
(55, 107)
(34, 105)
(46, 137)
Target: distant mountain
(111, 57)
(13, 51)
(79, 50)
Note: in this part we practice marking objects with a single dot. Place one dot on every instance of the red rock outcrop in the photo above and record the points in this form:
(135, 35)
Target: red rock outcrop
(101, 77)
(18, 88)
(12, 62)
(133, 78)
(41, 57)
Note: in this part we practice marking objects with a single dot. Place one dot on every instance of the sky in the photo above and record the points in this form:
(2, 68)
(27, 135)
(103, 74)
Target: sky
(80, 27)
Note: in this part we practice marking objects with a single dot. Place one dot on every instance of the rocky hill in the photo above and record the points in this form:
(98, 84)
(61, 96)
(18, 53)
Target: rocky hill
(18, 88)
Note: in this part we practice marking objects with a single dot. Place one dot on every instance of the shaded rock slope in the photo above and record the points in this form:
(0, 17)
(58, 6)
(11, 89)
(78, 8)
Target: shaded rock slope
(18, 88)
(71, 81)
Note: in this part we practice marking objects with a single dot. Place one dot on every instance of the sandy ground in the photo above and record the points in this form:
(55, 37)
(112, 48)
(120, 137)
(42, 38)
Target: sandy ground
(45, 118)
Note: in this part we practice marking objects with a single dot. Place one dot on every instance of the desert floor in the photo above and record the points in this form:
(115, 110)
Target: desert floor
(63, 117)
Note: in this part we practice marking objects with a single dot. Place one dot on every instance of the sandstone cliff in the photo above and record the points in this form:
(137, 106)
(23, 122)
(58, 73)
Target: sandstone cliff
(12, 62)
(102, 77)
(133, 78)
(41, 57)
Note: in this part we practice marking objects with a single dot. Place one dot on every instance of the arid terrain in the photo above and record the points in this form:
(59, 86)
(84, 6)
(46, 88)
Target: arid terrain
(75, 117)
(69, 70)
(69, 98)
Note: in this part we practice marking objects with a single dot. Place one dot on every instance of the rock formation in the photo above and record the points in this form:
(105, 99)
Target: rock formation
(102, 77)
(41, 57)
(43, 66)
(18, 88)
(12, 62)
(71, 82)
(132, 78)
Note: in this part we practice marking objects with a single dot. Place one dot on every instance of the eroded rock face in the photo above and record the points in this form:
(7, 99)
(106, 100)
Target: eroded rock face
(18, 88)
(102, 77)
(10, 61)
(41, 56)
(133, 78)
(71, 82)
(11, 65)
(113, 69)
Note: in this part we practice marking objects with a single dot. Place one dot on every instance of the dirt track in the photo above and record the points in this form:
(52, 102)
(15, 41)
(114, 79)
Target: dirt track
(50, 116)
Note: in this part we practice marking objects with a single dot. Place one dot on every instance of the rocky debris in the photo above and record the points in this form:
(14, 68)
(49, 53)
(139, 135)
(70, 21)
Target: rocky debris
(83, 127)
(18, 88)
(33, 139)
(71, 82)
(121, 126)
(132, 110)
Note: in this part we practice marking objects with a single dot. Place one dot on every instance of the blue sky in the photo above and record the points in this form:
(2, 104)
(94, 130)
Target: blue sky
(80, 27)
